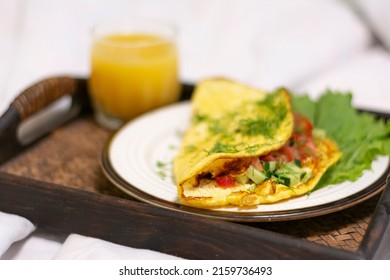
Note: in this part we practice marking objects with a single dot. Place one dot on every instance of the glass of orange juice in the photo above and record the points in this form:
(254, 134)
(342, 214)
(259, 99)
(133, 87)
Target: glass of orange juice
(134, 68)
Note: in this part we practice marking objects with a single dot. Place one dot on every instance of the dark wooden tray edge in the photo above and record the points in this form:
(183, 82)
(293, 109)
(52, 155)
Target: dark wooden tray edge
(141, 225)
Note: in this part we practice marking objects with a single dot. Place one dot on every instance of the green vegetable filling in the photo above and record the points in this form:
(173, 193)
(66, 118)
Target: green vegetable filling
(288, 174)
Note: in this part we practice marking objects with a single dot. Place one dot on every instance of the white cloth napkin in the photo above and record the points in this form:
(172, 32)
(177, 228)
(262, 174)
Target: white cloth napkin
(12, 229)
(78, 247)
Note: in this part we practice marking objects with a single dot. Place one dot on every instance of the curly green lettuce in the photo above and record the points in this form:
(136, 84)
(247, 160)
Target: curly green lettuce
(361, 136)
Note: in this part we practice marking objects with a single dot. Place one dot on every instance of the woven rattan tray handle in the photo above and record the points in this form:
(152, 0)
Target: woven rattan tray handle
(33, 100)
(43, 93)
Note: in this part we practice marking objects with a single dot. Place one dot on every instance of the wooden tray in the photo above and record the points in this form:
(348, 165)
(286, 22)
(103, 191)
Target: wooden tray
(57, 183)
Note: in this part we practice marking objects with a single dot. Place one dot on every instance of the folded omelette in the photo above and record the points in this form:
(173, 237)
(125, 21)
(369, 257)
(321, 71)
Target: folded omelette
(246, 147)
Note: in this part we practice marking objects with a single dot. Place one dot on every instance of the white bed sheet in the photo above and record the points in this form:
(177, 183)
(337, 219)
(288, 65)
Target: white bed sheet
(299, 44)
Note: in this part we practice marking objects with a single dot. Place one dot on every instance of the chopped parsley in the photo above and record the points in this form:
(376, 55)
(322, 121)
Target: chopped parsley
(268, 124)
(260, 126)
(199, 118)
(269, 100)
(223, 148)
(163, 169)
(252, 149)
(161, 164)
(216, 127)
(190, 148)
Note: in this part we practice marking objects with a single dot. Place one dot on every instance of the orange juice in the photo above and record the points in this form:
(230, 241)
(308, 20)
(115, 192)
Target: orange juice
(133, 73)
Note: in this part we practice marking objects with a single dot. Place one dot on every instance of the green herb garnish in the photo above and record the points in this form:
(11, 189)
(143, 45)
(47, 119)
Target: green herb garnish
(260, 126)
(268, 123)
(199, 118)
(190, 148)
(223, 148)
(216, 127)
(163, 169)
(161, 164)
(252, 149)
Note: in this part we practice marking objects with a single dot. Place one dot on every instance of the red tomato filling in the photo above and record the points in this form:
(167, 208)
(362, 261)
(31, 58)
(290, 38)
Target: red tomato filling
(225, 181)
(299, 146)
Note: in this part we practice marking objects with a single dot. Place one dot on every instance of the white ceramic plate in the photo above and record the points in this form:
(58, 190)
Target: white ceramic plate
(138, 160)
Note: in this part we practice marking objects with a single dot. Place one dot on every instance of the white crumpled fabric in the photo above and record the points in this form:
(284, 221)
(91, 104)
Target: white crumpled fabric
(78, 247)
(13, 228)
(303, 44)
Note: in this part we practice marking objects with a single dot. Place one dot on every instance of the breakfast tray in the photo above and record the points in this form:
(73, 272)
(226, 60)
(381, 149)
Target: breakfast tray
(56, 181)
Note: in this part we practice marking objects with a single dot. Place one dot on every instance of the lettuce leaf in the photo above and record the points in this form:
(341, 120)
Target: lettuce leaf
(361, 137)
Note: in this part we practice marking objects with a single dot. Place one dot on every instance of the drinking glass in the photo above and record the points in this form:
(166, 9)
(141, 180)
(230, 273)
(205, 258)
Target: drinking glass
(134, 69)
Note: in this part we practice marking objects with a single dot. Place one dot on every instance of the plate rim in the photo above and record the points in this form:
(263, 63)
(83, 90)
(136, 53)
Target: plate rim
(262, 216)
